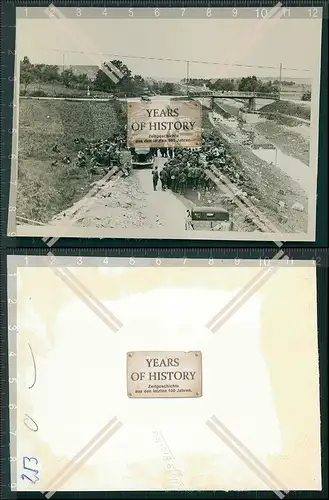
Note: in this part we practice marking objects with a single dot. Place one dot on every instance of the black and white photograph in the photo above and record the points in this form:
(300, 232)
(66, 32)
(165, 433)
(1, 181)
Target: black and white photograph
(241, 166)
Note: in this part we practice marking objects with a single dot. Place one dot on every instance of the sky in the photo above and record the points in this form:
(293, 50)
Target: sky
(293, 42)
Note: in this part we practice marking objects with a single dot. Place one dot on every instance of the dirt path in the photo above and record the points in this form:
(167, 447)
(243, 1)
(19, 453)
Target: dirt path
(127, 203)
(164, 208)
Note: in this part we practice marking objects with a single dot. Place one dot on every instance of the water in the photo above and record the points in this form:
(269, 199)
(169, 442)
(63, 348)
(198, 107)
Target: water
(297, 170)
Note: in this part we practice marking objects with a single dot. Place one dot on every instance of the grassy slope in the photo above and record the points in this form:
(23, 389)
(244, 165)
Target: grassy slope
(300, 110)
(43, 190)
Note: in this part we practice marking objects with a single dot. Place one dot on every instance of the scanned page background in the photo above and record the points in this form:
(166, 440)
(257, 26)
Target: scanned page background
(260, 377)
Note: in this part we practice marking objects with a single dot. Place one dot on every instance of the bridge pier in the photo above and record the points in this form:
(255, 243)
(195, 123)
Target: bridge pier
(252, 104)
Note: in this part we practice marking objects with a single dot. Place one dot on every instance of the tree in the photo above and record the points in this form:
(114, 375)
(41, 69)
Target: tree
(122, 68)
(83, 80)
(168, 88)
(107, 80)
(269, 87)
(68, 78)
(50, 73)
(26, 61)
(27, 74)
(138, 84)
(223, 84)
(307, 96)
(156, 87)
(27, 77)
(80, 81)
(37, 72)
(248, 84)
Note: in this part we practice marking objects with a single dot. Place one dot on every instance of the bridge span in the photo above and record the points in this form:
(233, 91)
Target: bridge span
(234, 94)
(250, 96)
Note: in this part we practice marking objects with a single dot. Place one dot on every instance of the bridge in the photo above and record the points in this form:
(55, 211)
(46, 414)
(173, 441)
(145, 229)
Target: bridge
(235, 94)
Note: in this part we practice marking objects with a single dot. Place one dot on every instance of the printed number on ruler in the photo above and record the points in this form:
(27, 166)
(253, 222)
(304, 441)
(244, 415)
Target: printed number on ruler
(265, 262)
(261, 13)
(313, 12)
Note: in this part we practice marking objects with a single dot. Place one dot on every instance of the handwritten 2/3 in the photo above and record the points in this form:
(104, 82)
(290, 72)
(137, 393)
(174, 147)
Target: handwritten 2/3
(30, 466)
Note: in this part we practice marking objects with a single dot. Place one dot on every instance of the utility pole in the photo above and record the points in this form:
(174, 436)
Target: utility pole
(187, 75)
(280, 80)
(63, 62)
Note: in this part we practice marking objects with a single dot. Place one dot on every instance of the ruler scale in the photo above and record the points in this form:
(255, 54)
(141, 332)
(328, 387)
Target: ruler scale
(99, 8)
(182, 256)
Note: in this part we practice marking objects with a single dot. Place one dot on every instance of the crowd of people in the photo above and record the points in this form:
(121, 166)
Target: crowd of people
(186, 168)
(103, 153)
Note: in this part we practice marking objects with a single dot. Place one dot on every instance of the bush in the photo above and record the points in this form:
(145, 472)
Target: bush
(307, 96)
(38, 93)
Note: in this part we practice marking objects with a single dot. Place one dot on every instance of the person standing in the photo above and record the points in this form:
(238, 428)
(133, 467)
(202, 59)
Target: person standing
(163, 152)
(181, 182)
(174, 179)
(155, 177)
(188, 220)
(163, 179)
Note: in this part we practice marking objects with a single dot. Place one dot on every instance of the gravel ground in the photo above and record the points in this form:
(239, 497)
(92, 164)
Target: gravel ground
(118, 204)
(127, 203)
